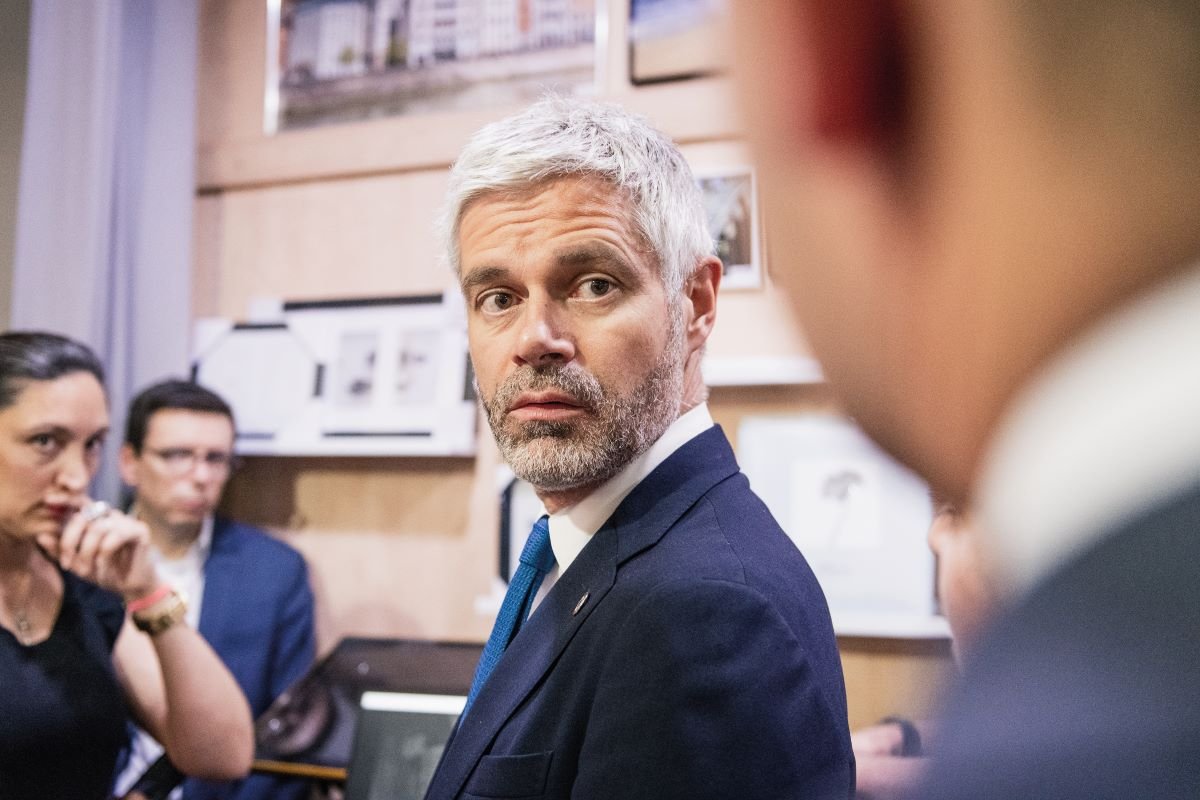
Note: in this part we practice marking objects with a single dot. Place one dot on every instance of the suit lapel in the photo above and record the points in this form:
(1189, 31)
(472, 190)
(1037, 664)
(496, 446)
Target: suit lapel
(638, 523)
(666, 494)
(221, 583)
(529, 657)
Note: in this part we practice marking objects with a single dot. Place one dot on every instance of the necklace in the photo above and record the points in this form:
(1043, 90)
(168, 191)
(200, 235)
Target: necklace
(20, 616)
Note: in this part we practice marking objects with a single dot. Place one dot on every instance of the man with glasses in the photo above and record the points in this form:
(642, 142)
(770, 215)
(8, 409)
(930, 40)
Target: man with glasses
(248, 593)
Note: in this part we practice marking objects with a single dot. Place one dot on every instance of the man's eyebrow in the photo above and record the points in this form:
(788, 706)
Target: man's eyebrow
(482, 275)
(589, 254)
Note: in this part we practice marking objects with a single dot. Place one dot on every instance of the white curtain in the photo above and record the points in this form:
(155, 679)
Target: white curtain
(104, 219)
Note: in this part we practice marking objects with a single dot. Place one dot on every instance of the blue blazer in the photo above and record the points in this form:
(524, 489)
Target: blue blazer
(257, 614)
(1088, 688)
(686, 653)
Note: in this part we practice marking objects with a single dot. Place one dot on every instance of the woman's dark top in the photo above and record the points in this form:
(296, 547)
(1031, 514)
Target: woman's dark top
(62, 712)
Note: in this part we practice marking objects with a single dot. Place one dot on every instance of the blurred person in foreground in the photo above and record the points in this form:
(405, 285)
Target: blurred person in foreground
(892, 755)
(248, 592)
(685, 650)
(89, 635)
(988, 217)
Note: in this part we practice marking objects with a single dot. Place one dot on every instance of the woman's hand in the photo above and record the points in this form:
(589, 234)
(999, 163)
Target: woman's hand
(108, 548)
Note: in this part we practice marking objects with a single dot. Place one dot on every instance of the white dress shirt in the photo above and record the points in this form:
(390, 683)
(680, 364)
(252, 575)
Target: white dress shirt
(1110, 428)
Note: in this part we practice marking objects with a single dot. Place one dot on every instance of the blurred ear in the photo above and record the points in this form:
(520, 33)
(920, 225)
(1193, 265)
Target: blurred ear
(127, 464)
(858, 64)
(824, 73)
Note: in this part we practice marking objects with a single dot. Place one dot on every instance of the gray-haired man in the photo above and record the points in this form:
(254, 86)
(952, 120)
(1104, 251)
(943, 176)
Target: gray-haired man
(685, 650)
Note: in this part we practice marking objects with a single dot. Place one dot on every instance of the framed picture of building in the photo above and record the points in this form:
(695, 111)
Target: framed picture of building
(675, 39)
(336, 61)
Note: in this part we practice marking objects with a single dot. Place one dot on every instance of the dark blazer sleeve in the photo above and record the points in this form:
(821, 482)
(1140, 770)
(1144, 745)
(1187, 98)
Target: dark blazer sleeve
(704, 695)
(294, 648)
(258, 616)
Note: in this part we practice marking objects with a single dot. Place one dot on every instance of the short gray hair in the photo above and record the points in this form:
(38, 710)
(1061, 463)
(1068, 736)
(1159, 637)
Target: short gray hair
(562, 136)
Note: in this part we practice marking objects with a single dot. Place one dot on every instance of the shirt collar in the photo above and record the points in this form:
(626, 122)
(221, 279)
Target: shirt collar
(1109, 428)
(572, 528)
(200, 548)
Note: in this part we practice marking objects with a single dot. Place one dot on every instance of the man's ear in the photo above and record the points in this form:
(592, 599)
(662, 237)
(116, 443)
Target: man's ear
(837, 73)
(127, 464)
(701, 293)
(859, 59)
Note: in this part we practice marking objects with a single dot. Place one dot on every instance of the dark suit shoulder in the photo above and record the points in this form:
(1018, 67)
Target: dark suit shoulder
(1087, 687)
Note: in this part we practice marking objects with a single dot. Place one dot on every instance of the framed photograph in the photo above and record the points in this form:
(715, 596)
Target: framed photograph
(731, 205)
(673, 40)
(335, 61)
(367, 376)
(859, 518)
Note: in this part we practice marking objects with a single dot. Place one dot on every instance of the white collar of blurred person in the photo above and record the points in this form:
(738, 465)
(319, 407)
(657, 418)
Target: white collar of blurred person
(1108, 428)
(572, 528)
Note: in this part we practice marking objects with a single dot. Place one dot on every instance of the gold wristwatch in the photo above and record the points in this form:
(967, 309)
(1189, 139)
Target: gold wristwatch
(162, 615)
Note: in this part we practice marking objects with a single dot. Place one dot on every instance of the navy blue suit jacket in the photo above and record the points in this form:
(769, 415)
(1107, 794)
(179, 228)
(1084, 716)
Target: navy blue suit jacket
(257, 614)
(686, 653)
(1090, 687)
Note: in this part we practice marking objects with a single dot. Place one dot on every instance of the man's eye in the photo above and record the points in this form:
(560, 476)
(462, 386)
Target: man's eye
(597, 287)
(496, 301)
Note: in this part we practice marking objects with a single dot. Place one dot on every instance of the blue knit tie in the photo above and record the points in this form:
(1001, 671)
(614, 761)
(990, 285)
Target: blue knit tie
(536, 560)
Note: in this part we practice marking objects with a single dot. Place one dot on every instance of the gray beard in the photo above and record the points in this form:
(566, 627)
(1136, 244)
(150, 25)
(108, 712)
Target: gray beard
(555, 456)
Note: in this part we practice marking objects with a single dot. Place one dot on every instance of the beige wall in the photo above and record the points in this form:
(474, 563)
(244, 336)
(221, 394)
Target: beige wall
(407, 546)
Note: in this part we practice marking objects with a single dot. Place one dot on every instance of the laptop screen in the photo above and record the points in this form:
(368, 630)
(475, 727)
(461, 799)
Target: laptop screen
(399, 743)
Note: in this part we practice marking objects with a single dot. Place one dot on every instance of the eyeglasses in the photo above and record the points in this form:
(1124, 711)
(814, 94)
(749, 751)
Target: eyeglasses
(181, 461)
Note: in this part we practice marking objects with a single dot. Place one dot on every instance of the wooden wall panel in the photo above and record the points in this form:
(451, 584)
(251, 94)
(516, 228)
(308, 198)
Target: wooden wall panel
(340, 238)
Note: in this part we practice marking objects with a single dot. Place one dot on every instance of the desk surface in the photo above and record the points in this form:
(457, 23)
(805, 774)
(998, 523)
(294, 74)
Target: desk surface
(294, 769)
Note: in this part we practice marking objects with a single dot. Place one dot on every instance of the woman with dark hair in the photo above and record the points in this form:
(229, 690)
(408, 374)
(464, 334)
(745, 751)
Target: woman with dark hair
(89, 637)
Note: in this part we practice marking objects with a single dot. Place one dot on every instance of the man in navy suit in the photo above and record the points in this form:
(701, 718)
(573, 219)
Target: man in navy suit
(990, 212)
(255, 606)
(685, 649)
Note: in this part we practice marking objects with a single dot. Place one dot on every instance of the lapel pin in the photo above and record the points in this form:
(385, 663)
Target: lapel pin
(582, 600)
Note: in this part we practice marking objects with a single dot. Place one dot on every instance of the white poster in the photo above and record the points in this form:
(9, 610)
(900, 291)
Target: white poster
(859, 518)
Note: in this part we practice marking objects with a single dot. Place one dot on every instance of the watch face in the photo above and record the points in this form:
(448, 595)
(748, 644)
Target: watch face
(161, 620)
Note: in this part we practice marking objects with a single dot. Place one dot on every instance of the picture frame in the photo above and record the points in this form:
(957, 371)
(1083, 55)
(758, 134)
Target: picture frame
(859, 518)
(357, 376)
(343, 61)
(732, 209)
(673, 40)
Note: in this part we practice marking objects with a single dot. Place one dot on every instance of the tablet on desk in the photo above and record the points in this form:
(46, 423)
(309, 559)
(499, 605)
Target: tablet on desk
(398, 743)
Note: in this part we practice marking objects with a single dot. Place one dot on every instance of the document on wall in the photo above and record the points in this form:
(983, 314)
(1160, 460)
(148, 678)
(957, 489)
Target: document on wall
(859, 518)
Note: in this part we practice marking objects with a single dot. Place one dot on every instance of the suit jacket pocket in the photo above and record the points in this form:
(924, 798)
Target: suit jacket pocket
(511, 777)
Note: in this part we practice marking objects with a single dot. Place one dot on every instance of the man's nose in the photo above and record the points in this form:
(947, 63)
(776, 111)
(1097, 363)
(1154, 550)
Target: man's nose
(544, 335)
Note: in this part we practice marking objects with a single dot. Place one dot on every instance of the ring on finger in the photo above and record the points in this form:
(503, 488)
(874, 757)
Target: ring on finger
(95, 510)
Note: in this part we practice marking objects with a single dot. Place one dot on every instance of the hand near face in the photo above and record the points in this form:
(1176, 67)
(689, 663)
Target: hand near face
(111, 550)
